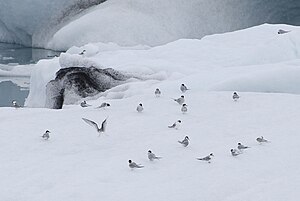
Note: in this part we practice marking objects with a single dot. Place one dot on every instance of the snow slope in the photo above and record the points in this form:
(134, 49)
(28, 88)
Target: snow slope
(75, 164)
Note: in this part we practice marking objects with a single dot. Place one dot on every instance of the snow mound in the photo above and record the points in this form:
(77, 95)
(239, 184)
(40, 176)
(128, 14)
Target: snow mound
(74, 60)
(249, 60)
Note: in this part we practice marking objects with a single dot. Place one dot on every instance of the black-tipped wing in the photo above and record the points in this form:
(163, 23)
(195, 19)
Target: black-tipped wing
(91, 123)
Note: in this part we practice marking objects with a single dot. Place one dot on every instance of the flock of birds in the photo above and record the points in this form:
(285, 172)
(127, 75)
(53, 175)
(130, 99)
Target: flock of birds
(151, 156)
(185, 141)
(181, 101)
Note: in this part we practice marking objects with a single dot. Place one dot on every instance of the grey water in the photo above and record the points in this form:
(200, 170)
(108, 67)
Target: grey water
(11, 91)
(17, 88)
(18, 54)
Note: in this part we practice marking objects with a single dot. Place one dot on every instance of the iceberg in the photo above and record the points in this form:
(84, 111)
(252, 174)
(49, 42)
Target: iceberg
(250, 60)
(60, 25)
(32, 22)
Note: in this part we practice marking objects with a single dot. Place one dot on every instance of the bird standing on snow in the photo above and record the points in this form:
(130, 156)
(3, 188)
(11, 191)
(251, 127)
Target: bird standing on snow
(140, 108)
(133, 165)
(84, 104)
(241, 147)
(95, 125)
(261, 139)
(206, 158)
(82, 53)
(280, 31)
(175, 125)
(157, 92)
(184, 108)
(235, 152)
(180, 100)
(185, 141)
(15, 104)
(152, 156)
(104, 105)
(46, 135)
(183, 88)
(235, 96)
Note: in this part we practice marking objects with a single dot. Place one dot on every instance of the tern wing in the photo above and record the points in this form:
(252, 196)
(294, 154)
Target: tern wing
(172, 126)
(103, 125)
(206, 158)
(102, 105)
(91, 123)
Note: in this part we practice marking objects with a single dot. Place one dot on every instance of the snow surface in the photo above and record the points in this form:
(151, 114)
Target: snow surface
(75, 164)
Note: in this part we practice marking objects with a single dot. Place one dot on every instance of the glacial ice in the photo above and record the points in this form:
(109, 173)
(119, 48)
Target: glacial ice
(32, 22)
(133, 22)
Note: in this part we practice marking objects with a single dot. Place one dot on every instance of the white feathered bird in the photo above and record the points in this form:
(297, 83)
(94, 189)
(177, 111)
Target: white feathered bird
(95, 125)
(152, 156)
